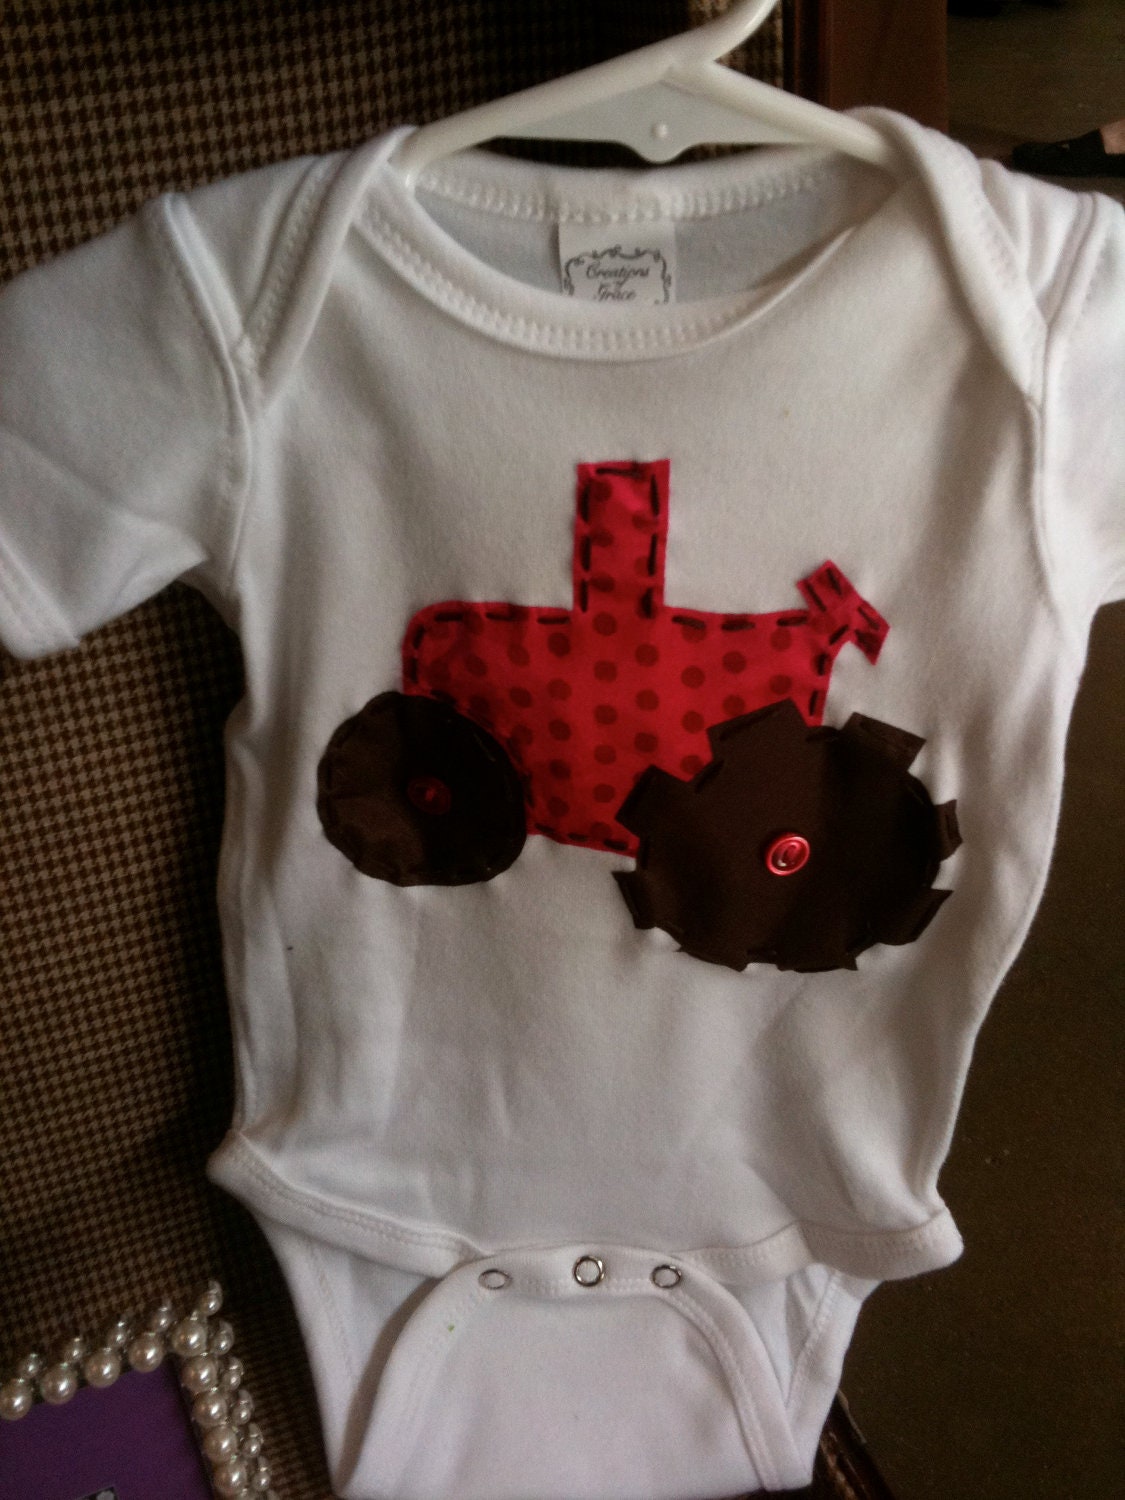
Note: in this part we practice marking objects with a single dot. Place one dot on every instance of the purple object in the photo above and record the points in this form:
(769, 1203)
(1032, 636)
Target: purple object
(133, 1438)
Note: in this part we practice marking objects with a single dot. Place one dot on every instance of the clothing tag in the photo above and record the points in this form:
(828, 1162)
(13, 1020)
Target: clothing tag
(618, 263)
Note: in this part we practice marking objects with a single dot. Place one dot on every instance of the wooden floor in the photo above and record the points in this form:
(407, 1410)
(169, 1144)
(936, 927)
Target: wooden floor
(1003, 1377)
(1037, 72)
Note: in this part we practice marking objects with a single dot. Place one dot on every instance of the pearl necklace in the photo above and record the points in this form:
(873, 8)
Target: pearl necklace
(210, 1374)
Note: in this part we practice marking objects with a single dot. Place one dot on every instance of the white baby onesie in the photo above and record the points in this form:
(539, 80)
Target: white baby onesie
(662, 595)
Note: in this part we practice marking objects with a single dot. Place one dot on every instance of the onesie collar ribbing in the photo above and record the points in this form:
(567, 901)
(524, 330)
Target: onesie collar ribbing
(514, 312)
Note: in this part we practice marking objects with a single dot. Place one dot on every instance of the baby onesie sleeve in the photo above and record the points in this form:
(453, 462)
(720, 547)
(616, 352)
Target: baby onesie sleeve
(1084, 417)
(122, 438)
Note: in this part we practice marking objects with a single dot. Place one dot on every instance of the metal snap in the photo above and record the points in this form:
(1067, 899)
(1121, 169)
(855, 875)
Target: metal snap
(494, 1279)
(787, 854)
(588, 1270)
(429, 795)
(666, 1277)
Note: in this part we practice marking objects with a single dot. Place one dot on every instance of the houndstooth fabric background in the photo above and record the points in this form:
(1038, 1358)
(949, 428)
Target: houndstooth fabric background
(115, 1063)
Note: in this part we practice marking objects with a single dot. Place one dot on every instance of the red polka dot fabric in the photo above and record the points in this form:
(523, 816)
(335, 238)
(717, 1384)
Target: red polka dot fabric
(585, 699)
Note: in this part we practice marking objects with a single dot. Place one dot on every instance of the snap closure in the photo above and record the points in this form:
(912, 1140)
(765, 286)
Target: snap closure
(666, 1277)
(787, 854)
(429, 795)
(588, 1270)
(494, 1279)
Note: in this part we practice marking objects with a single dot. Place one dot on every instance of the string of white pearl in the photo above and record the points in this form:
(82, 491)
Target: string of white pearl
(211, 1375)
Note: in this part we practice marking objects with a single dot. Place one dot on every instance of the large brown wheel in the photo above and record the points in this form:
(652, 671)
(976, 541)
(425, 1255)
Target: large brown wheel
(795, 846)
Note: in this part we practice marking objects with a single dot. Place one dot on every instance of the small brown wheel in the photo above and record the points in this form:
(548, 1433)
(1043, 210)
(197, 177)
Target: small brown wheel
(415, 793)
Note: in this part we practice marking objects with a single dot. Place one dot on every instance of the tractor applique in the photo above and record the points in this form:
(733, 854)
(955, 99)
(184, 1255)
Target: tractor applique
(690, 741)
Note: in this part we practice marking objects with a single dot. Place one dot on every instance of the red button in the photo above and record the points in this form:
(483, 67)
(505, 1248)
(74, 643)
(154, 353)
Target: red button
(429, 795)
(787, 854)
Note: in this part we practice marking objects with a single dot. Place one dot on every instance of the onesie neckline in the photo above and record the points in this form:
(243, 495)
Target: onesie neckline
(515, 312)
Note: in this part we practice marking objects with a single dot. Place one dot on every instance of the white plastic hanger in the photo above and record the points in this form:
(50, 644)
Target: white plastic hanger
(659, 101)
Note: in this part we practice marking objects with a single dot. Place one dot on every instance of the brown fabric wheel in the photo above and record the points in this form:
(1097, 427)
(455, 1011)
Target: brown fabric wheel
(415, 793)
(795, 846)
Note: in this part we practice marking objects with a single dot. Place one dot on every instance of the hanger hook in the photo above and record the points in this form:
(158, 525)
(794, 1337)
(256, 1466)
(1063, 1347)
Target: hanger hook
(689, 54)
(725, 32)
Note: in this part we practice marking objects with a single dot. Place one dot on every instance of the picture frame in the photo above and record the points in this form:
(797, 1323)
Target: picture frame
(153, 1409)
